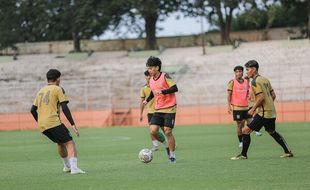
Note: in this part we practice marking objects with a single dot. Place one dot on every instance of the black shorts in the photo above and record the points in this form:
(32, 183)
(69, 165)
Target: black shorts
(59, 134)
(149, 117)
(258, 122)
(163, 119)
(240, 115)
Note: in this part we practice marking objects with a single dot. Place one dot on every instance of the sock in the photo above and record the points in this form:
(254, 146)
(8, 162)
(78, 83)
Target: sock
(172, 154)
(168, 152)
(73, 163)
(246, 141)
(277, 137)
(66, 162)
(240, 138)
(161, 136)
(155, 143)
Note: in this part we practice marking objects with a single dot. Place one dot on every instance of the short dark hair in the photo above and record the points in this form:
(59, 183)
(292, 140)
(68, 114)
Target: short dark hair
(240, 68)
(252, 63)
(153, 62)
(53, 75)
(146, 73)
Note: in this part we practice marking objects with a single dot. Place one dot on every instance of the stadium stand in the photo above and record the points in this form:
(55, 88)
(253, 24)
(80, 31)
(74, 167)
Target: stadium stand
(111, 80)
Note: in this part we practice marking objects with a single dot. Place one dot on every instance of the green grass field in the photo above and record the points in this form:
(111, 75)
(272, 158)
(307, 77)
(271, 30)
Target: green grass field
(109, 156)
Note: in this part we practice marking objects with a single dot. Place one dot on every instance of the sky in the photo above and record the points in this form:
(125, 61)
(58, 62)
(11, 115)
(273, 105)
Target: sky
(171, 27)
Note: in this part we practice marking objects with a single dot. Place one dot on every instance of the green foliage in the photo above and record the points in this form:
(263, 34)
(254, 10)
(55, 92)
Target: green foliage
(41, 20)
(8, 24)
(278, 15)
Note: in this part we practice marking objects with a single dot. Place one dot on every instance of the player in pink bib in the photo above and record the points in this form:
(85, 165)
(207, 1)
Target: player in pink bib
(163, 90)
(238, 101)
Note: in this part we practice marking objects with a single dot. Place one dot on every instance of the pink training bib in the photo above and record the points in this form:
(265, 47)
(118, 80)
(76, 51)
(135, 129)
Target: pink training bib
(162, 100)
(240, 93)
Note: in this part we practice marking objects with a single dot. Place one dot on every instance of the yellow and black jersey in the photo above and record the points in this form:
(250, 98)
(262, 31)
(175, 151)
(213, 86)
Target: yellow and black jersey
(48, 102)
(145, 92)
(261, 85)
(230, 87)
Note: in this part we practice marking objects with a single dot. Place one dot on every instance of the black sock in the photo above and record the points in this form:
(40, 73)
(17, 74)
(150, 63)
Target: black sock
(246, 141)
(240, 138)
(277, 137)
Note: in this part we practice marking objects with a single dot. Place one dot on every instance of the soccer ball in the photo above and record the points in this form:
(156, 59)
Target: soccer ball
(145, 155)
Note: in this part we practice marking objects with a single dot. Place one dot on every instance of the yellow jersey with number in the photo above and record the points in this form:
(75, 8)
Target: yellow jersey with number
(48, 102)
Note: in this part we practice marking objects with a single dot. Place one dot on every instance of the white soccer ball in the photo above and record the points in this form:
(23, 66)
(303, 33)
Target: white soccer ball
(145, 155)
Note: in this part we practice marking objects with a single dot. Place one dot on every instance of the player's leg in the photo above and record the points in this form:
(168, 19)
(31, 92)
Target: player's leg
(255, 125)
(237, 116)
(168, 127)
(62, 151)
(270, 128)
(155, 142)
(240, 125)
(171, 144)
(249, 119)
(156, 121)
(72, 154)
(59, 135)
(65, 138)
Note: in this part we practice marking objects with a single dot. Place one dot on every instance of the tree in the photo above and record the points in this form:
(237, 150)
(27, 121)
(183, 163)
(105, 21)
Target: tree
(302, 12)
(80, 19)
(308, 10)
(218, 12)
(8, 24)
(151, 11)
(41, 20)
(222, 12)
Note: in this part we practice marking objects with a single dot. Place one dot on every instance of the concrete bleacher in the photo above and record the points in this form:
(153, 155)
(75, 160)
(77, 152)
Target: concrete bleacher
(112, 79)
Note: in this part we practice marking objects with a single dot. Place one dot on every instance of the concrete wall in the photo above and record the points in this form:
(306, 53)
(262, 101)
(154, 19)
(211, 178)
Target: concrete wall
(130, 44)
(186, 115)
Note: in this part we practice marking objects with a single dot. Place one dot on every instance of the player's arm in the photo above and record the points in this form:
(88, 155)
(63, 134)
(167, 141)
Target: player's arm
(151, 96)
(259, 100)
(62, 98)
(272, 93)
(142, 103)
(68, 115)
(172, 86)
(259, 97)
(229, 93)
(170, 90)
(141, 108)
(34, 112)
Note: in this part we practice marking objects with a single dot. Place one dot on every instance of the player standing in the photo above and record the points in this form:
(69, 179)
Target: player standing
(46, 111)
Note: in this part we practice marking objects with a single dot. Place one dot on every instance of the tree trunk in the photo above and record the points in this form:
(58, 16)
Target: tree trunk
(150, 29)
(225, 26)
(228, 27)
(76, 42)
(309, 19)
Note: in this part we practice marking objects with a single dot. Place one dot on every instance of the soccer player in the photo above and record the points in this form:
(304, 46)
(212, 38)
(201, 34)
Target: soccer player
(45, 110)
(145, 92)
(238, 100)
(266, 114)
(163, 89)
